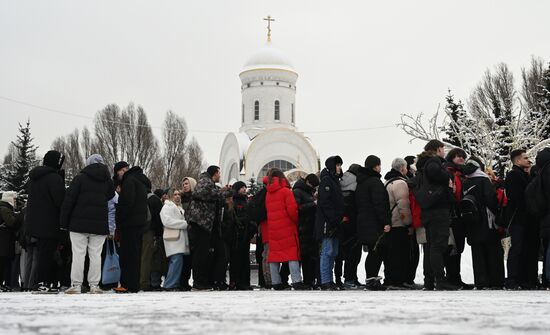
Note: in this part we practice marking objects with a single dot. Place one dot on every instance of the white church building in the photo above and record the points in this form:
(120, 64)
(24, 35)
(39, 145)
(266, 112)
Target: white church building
(268, 136)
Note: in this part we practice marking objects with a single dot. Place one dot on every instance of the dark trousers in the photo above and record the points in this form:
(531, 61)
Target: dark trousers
(186, 271)
(374, 260)
(45, 267)
(130, 259)
(396, 265)
(259, 260)
(453, 256)
(219, 260)
(437, 223)
(152, 258)
(310, 263)
(523, 256)
(349, 256)
(488, 264)
(414, 258)
(200, 248)
(5, 270)
(239, 265)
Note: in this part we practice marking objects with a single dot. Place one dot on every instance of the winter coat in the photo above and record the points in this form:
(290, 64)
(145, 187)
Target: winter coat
(85, 208)
(155, 206)
(348, 184)
(205, 208)
(172, 217)
(373, 206)
(46, 193)
(330, 204)
(398, 193)
(131, 210)
(303, 194)
(282, 222)
(480, 186)
(436, 177)
(186, 199)
(244, 229)
(543, 158)
(515, 183)
(9, 224)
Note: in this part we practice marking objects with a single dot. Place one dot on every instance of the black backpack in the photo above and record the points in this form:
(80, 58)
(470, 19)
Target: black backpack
(257, 211)
(426, 193)
(469, 209)
(535, 198)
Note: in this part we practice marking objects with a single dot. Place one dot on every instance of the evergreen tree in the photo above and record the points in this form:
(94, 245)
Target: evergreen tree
(17, 174)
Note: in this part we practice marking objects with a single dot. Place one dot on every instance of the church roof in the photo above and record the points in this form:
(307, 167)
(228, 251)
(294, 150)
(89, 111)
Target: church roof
(268, 56)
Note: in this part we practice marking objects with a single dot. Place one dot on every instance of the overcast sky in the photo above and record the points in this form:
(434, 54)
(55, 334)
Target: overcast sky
(360, 63)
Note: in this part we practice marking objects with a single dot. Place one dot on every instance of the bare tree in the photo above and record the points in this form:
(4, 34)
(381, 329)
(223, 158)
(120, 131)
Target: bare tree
(174, 135)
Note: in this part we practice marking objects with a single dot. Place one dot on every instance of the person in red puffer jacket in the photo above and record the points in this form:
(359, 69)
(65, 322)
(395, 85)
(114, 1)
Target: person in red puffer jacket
(282, 227)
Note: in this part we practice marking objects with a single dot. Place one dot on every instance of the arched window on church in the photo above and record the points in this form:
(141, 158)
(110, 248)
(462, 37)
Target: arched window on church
(256, 110)
(242, 116)
(277, 111)
(292, 113)
(282, 165)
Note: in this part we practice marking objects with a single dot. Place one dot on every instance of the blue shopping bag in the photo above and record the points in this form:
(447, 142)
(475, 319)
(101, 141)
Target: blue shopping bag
(111, 267)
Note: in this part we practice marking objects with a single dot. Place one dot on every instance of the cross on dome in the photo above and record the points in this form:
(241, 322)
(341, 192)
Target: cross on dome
(269, 19)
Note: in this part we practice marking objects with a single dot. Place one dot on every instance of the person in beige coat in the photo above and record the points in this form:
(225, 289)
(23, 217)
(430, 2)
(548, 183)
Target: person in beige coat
(176, 240)
(397, 239)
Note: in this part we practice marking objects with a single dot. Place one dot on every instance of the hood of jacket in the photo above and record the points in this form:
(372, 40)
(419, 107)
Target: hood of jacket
(276, 185)
(348, 182)
(41, 171)
(97, 171)
(393, 174)
(424, 157)
(137, 173)
(331, 163)
(363, 174)
(301, 185)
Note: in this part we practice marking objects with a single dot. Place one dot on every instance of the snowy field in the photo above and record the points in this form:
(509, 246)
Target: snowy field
(270, 312)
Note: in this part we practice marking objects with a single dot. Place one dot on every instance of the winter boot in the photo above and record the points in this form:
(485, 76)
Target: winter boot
(95, 289)
(444, 285)
(301, 286)
(373, 284)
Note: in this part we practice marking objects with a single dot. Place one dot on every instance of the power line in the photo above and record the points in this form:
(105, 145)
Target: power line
(19, 102)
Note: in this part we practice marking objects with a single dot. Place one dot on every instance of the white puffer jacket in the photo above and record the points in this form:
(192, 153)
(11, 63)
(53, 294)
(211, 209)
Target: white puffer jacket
(172, 217)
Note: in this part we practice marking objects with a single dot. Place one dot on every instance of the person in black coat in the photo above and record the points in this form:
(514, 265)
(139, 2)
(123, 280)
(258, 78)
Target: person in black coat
(304, 192)
(132, 221)
(522, 263)
(239, 251)
(10, 223)
(436, 183)
(46, 192)
(329, 215)
(543, 167)
(373, 217)
(482, 234)
(152, 249)
(85, 214)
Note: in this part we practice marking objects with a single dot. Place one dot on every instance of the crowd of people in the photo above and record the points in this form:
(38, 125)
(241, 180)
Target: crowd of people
(198, 236)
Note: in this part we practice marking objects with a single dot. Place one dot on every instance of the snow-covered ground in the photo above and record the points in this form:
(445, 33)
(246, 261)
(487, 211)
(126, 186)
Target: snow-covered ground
(270, 312)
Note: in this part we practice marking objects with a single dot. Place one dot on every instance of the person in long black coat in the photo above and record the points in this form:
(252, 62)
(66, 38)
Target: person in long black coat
(483, 237)
(522, 262)
(131, 219)
(10, 222)
(84, 214)
(304, 193)
(46, 193)
(329, 215)
(373, 216)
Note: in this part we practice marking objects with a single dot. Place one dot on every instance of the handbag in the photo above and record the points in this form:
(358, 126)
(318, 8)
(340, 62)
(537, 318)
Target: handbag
(171, 234)
(111, 267)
